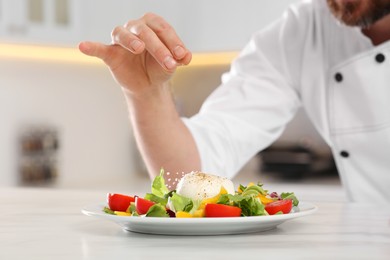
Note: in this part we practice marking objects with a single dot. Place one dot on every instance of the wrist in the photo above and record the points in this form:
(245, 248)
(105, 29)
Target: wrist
(149, 94)
(150, 102)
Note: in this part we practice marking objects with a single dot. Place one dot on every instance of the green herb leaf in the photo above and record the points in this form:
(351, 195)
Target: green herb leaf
(108, 211)
(291, 196)
(155, 198)
(157, 210)
(132, 209)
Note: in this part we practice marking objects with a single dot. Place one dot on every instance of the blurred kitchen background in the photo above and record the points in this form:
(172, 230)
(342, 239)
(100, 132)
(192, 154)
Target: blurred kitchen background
(64, 120)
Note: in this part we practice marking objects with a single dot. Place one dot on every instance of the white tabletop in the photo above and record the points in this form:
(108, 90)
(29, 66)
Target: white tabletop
(37, 223)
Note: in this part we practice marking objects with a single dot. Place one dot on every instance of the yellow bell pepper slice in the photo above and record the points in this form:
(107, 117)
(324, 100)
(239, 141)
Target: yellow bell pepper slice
(265, 200)
(183, 214)
(199, 213)
(212, 200)
(122, 213)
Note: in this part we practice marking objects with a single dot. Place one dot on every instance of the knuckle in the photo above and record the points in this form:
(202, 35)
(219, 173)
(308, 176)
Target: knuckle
(129, 23)
(115, 32)
(159, 23)
(138, 29)
(162, 27)
(149, 16)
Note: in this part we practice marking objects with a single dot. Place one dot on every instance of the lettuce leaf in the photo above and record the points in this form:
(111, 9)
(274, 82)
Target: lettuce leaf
(157, 210)
(155, 198)
(181, 203)
(291, 196)
(158, 185)
(249, 204)
(254, 190)
(159, 190)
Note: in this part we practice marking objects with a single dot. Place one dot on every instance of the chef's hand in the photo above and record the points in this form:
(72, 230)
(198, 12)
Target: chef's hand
(143, 55)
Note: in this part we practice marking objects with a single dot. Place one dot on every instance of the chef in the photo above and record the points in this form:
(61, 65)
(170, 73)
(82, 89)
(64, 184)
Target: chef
(330, 56)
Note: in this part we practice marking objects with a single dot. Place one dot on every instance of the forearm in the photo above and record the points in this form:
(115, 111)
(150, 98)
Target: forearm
(162, 138)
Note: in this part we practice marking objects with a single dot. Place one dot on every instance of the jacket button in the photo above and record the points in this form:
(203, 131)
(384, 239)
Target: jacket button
(338, 77)
(344, 154)
(380, 58)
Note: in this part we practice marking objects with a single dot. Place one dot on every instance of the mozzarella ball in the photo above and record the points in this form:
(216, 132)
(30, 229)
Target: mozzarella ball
(199, 186)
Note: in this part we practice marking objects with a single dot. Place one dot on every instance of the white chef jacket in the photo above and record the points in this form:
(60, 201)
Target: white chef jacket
(307, 58)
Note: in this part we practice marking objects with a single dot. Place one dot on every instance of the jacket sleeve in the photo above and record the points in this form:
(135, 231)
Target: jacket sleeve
(256, 99)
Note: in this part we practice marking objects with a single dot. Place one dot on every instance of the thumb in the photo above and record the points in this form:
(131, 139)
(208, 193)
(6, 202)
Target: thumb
(94, 49)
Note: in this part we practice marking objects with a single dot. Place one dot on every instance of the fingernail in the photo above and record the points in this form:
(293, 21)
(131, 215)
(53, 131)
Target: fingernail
(135, 45)
(179, 51)
(169, 63)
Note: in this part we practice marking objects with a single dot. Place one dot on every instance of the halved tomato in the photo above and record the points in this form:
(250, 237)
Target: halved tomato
(142, 205)
(119, 202)
(221, 210)
(283, 206)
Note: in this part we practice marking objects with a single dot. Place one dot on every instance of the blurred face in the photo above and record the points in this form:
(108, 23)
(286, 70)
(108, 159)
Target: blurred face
(361, 13)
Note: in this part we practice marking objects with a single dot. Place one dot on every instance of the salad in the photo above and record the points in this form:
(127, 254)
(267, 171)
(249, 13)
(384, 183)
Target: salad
(250, 200)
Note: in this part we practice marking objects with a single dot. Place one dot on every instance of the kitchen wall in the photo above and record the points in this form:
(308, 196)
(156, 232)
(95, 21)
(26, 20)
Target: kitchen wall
(204, 25)
(78, 99)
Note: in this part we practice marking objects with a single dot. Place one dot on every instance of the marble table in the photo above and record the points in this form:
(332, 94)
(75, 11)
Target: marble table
(47, 223)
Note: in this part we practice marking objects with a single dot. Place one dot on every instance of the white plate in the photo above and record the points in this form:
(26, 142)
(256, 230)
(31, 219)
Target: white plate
(200, 226)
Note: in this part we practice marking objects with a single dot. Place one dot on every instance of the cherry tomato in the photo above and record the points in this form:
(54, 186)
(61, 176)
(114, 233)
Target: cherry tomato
(284, 206)
(142, 205)
(119, 202)
(220, 210)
